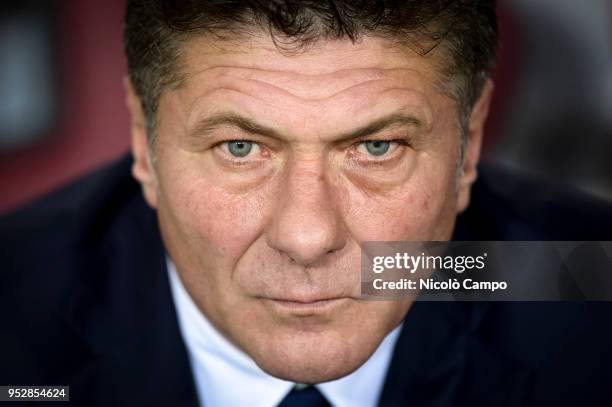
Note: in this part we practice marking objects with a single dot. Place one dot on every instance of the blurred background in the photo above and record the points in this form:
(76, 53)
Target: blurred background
(62, 110)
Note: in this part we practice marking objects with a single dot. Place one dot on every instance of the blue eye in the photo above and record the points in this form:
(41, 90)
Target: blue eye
(239, 148)
(377, 147)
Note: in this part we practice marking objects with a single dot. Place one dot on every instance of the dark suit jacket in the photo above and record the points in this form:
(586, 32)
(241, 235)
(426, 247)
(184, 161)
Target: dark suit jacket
(85, 302)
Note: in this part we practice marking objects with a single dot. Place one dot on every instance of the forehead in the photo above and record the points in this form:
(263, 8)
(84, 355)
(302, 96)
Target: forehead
(363, 77)
(316, 66)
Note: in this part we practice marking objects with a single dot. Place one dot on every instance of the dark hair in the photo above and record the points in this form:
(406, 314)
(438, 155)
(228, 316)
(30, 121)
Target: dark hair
(155, 30)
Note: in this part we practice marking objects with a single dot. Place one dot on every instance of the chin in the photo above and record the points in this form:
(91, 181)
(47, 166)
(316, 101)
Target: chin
(313, 357)
(315, 343)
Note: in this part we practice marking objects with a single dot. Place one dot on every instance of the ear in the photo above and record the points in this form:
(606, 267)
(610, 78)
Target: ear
(474, 136)
(142, 168)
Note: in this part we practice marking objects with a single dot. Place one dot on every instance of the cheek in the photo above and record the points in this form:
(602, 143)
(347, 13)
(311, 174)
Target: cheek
(419, 209)
(217, 225)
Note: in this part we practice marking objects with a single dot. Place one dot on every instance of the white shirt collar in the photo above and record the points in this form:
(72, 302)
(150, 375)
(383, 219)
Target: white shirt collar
(226, 376)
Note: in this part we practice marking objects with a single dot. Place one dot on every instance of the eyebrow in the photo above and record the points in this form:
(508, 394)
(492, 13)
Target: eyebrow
(392, 120)
(207, 125)
(231, 119)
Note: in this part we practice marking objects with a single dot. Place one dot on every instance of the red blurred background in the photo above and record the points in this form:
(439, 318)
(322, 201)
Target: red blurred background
(92, 122)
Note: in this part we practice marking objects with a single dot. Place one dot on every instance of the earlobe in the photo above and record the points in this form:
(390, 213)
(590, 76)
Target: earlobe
(471, 157)
(142, 168)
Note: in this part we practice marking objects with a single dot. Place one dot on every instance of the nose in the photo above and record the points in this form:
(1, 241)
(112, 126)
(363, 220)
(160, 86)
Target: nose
(306, 224)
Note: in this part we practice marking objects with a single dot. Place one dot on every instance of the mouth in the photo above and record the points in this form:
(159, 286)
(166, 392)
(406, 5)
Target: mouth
(307, 307)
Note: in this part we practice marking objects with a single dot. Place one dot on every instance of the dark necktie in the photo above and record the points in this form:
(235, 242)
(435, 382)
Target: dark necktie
(308, 397)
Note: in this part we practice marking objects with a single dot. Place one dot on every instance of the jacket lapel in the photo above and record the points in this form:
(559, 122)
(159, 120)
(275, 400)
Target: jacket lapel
(439, 360)
(125, 314)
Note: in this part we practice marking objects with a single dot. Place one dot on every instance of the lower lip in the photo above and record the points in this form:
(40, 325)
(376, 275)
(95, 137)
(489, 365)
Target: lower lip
(308, 307)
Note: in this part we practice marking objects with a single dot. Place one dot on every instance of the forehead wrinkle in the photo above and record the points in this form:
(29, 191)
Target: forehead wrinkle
(304, 86)
(312, 98)
(320, 106)
(250, 71)
(259, 88)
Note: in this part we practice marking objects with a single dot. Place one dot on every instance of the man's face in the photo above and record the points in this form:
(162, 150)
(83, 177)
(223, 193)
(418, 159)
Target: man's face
(270, 171)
